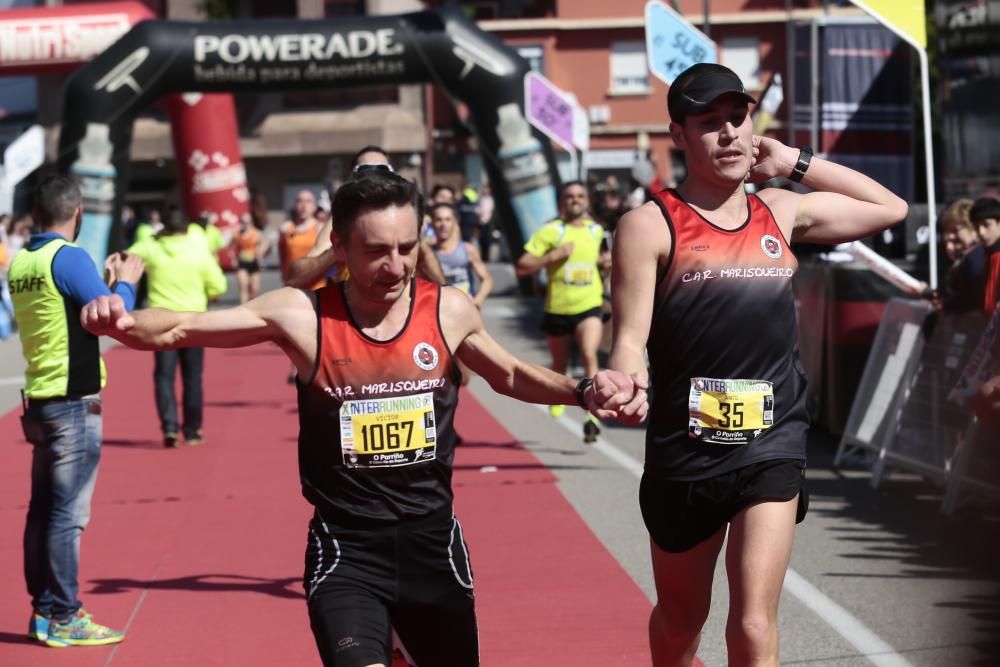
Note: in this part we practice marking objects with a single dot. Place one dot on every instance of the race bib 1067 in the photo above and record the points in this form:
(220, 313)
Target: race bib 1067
(386, 432)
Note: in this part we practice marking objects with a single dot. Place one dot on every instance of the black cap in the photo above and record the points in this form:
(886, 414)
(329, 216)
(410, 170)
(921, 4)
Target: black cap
(700, 85)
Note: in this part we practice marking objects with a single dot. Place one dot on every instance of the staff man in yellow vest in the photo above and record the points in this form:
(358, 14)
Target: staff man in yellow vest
(570, 250)
(183, 275)
(50, 279)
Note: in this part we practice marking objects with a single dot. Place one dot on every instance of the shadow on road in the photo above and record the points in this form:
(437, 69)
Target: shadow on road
(289, 587)
(900, 522)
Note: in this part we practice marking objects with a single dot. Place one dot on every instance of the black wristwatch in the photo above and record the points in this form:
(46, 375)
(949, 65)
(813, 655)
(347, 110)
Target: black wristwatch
(802, 165)
(581, 389)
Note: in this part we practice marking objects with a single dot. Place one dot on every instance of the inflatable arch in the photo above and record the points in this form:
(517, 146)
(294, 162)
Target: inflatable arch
(57, 40)
(156, 58)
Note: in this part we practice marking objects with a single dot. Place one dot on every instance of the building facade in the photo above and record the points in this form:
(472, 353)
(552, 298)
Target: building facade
(592, 48)
(596, 50)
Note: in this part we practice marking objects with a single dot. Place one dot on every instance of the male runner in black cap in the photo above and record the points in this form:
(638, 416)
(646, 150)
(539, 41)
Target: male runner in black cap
(702, 278)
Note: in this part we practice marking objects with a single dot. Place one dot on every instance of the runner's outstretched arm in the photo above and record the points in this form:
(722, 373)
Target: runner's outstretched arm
(641, 239)
(846, 204)
(266, 318)
(510, 376)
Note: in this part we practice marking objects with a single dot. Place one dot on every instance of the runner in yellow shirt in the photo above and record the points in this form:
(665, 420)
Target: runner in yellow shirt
(571, 251)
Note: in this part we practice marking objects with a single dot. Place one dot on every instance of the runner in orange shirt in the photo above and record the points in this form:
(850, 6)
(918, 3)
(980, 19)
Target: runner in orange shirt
(251, 246)
(298, 236)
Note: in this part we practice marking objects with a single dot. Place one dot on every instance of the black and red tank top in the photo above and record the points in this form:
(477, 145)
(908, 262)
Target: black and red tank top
(375, 422)
(728, 388)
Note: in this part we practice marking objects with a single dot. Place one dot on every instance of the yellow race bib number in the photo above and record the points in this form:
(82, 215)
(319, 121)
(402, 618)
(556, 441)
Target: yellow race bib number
(580, 275)
(388, 432)
(729, 412)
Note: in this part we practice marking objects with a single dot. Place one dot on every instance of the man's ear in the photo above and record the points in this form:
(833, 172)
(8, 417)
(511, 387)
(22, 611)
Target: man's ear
(339, 247)
(677, 134)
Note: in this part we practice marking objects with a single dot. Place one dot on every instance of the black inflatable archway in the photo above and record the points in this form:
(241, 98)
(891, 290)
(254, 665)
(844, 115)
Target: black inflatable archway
(157, 57)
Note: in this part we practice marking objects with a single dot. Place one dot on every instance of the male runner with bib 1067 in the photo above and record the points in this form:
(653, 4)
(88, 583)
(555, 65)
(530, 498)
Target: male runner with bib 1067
(702, 279)
(376, 357)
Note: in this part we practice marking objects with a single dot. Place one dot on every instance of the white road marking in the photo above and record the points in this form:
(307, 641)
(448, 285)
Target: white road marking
(870, 645)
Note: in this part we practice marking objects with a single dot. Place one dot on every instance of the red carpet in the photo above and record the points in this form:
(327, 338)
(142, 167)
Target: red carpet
(199, 550)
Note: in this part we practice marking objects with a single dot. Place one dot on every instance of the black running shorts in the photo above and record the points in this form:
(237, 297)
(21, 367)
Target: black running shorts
(414, 577)
(680, 515)
(565, 325)
(250, 267)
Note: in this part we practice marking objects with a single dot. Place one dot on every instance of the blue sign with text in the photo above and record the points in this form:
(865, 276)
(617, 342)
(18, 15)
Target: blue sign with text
(673, 44)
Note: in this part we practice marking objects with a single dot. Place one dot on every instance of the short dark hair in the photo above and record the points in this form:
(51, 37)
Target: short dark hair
(56, 200)
(984, 208)
(567, 185)
(438, 187)
(450, 207)
(376, 191)
(175, 222)
(368, 149)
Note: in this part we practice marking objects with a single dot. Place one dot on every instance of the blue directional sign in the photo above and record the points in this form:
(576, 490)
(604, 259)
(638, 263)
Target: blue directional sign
(673, 44)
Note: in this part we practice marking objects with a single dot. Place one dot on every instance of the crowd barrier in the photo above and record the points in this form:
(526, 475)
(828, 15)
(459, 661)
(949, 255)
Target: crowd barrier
(840, 306)
(905, 413)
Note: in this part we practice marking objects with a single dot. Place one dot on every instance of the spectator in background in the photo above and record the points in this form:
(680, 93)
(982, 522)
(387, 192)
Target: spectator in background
(610, 206)
(460, 261)
(485, 209)
(442, 194)
(251, 246)
(298, 235)
(130, 224)
(209, 232)
(965, 280)
(183, 276)
(20, 232)
(985, 215)
(636, 194)
(7, 326)
(149, 226)
(468, 214)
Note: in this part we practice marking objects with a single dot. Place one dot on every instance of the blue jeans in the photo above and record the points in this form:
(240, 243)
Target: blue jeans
(164, 370)
(67, 448)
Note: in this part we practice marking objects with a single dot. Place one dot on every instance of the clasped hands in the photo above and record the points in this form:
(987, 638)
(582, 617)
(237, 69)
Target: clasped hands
(619, 396)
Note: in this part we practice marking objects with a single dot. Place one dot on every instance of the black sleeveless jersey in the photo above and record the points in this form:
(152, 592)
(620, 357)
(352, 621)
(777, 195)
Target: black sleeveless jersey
(376, 440)
(728, 388)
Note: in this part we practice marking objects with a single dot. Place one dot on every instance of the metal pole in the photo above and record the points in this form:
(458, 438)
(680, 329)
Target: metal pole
(814, 93)
(925, 85)
(925, 94)
(790, 69)
(427, 168)
(708, 25)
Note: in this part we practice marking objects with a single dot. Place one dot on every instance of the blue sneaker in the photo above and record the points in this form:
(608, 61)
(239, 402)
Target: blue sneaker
(38, 627)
